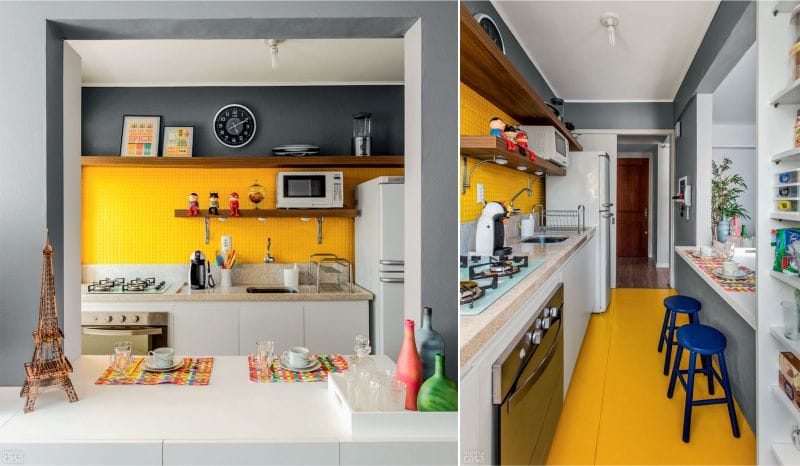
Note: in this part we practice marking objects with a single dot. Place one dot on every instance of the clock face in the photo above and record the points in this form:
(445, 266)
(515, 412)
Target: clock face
(491, 29)
(234, 125)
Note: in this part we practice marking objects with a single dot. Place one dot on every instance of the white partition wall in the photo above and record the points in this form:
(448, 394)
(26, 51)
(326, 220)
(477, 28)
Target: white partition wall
(775, 417)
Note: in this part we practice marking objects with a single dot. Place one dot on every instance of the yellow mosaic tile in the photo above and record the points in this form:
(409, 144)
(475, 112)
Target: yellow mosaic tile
(128, 216)
(500, 183)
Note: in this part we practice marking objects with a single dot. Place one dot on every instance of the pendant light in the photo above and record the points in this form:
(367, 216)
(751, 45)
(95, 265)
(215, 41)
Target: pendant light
(610, 21)
(273, 46)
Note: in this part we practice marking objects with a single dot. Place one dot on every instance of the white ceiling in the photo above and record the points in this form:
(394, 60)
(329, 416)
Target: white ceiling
(735, 97)
(240, 62)
(655, 44)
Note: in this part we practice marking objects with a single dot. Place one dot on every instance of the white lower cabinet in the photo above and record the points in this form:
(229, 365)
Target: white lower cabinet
(398, 453)
(280, 321)
(205, 329)
(580, 301)
(331, 326)
(250, 453)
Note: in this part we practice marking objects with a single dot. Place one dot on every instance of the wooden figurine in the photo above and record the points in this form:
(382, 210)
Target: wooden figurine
(496, 126)
(49, 367)
(234, 204)
(213, 204)
(194, 205)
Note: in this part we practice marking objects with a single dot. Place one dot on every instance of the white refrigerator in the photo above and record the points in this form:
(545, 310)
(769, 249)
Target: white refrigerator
(588, 183)
(379, 259)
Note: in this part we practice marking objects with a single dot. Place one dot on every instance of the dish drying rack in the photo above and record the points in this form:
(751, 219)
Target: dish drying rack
(330, 272)
(564, 220)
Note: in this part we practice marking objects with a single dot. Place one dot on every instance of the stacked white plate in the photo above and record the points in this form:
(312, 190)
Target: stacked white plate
(296, 150)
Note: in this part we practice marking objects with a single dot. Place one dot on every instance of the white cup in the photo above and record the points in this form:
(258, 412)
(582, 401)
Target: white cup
(227, 277)
(297, 356)
(526, 227)
(706, 251)
(730, 267)
(291, 277)
(161, 357)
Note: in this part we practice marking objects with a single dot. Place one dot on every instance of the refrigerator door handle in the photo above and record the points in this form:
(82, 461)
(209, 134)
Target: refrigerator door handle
(609, 215)
(392, 280)
(608, 205)
(391, 271)
(391, 262)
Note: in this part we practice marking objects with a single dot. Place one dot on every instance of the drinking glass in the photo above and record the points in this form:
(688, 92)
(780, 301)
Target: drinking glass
(791, 320)
(265, 355)
(368, 394)
(392, 397)
(351, 377)
(729, 248)
(122, 355)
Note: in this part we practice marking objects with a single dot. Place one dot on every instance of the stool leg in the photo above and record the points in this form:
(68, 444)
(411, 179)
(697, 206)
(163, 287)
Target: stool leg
(670, 339)
(663, 330)
(676, 370)
(726, 386)
(687, 410)
(708, 368)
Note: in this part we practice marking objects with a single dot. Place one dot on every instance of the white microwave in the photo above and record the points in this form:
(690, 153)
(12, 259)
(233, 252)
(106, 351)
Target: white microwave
(547, 143)
(309, 190)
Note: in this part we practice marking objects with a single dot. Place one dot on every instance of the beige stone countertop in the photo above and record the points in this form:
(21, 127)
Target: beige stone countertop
(182, 292)
(477, 331)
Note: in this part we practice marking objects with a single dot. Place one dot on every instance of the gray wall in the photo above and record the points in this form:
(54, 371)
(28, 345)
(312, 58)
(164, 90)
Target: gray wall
(740, 355)
(686, 165)
(653, 150)
(732, 31)
(32, 172)
(619, 115)
(319, 115)
(514, 50)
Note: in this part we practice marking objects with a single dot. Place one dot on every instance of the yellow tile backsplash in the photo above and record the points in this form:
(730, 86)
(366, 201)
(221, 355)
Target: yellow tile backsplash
(500, 183)
(128, 216)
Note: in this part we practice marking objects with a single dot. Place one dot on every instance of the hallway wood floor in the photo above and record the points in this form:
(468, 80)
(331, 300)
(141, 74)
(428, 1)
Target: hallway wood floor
(617, 411)
(640, 272)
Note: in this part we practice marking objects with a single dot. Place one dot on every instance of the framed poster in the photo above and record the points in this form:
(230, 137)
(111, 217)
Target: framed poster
(178, 141)
(140, 136)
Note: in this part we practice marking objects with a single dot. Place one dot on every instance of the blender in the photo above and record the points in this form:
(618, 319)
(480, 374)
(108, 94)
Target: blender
(361, 144)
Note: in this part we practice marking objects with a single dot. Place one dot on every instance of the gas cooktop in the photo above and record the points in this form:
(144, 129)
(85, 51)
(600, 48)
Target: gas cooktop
(486, 278)
(123, 286)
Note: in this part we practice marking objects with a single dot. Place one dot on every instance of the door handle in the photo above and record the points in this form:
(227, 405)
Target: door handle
(111, 332)
(645, 212)
(391, 280)
(391, 262)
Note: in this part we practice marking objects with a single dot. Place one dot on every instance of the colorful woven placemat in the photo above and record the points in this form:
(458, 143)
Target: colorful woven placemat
(195, 371)
(708, 264)
(330, 363)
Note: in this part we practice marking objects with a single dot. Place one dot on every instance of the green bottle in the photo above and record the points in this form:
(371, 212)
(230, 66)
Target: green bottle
(438, 393)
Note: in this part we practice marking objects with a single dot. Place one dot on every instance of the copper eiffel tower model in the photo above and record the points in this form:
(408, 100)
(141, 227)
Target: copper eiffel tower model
(49, 367)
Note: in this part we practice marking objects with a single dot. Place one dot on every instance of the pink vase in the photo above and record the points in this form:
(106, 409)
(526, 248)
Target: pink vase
(409, 366)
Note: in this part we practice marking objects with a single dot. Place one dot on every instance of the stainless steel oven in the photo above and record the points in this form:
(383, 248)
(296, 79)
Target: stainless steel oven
(528, 388)
(146, 330)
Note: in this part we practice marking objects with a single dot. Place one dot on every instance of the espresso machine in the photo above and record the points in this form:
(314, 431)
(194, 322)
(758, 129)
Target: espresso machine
(490, 235)
(361, 144)
(200, 272)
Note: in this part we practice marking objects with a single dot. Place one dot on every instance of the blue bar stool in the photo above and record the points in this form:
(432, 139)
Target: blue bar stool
(673, 306)
(704, 341)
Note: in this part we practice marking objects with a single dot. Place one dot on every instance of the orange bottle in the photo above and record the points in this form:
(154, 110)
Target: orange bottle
(409, 366)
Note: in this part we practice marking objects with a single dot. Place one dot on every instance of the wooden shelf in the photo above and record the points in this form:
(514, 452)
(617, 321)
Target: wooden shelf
(791, 155)
(322, 161)
(491, 74)
(272, 213)
(486, 147)
(789, 95)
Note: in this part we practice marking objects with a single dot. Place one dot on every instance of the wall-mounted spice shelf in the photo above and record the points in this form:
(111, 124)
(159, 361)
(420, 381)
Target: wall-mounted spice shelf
(491, 74)
(272, 213)
(488, 147)
(323, 161)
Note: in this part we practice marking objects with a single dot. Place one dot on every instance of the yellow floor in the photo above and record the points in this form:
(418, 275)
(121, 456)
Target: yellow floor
(617, 411)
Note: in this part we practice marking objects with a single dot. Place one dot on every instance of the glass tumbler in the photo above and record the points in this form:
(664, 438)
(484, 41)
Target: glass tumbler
(392, 397)
(265, 355)
(791, 320)
(368, 395)
(122, 355)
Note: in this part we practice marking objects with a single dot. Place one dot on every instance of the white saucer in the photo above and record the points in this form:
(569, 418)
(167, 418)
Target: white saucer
(313, 364)
(740, 275)
(177, 362)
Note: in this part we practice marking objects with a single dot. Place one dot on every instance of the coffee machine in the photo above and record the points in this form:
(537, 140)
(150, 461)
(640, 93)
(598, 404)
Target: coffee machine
(490, 236)
(200, 272)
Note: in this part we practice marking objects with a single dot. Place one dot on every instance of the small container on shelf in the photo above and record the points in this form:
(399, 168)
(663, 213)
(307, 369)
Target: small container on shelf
(786, 206)
(786, 192)
(788, 177)
(789, 377)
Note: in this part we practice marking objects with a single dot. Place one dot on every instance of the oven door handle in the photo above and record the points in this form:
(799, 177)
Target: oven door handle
(538, 371)
(114, 332)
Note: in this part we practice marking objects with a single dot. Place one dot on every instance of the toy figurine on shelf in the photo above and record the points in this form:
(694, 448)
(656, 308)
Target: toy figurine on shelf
(510, 132)
(213, 204)
(522, 145)
(496, 125)
(234, 204)
(194, 205)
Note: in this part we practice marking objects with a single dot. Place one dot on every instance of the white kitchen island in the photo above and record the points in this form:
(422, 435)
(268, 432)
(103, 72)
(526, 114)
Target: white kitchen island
(229, 421)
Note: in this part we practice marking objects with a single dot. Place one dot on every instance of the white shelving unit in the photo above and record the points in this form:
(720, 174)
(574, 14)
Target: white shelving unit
(775, 36)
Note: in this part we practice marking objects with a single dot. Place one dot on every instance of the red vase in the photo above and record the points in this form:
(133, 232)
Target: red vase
(409, 367)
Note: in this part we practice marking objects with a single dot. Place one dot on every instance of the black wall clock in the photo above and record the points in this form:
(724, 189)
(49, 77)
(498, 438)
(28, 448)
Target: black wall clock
(491, 29)
(234, 125)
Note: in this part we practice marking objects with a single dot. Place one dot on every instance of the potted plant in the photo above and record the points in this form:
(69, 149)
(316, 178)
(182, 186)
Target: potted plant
(725, 191)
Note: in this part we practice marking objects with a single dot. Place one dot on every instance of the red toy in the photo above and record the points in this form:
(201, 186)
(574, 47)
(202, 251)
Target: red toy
(194, 205)
(522, 143)
(234, 204)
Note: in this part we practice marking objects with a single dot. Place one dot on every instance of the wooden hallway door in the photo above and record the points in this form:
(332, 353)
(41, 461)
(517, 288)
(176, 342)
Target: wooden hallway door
(633, 193)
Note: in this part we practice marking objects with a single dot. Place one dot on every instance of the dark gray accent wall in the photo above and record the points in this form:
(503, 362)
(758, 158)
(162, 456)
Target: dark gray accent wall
(686, 165)
(32, 166)
(319, 115)
(740, 355)
(731, 33)
(619, 115)
(653, 150)
(514, 50)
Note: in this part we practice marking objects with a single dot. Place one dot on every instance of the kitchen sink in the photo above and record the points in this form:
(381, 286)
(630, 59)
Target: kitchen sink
(545, 239)
(270, 289)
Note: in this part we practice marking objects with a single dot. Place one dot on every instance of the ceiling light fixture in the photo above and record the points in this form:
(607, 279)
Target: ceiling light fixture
(273, 46)
(610, 21)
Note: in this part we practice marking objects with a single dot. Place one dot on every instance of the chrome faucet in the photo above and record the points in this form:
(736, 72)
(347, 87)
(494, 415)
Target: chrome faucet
(513, 209)
(268, 258)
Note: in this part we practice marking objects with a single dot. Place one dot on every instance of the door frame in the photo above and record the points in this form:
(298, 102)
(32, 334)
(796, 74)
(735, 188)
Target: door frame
(649, 157)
